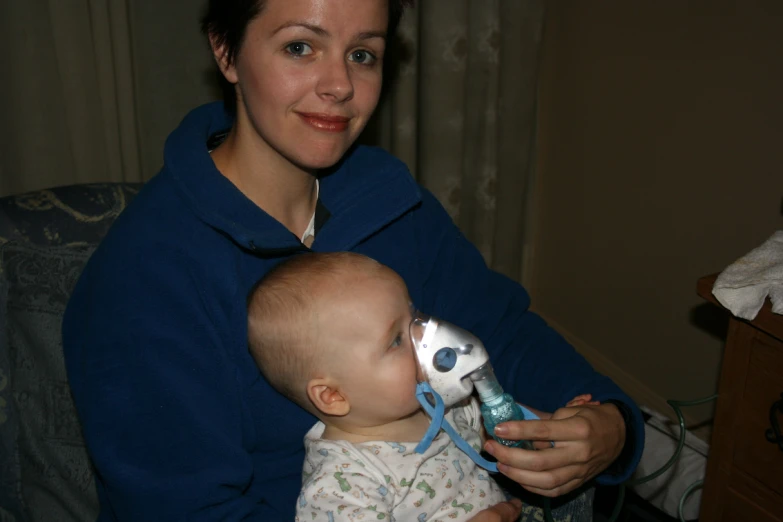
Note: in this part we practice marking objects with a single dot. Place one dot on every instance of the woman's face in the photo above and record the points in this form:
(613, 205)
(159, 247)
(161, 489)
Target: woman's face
(308, 76)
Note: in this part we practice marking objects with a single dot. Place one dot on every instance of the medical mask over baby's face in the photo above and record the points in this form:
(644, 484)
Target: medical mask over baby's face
(451, 360)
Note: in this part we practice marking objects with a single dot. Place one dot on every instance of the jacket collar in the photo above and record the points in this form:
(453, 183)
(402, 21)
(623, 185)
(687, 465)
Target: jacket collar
(366, 191)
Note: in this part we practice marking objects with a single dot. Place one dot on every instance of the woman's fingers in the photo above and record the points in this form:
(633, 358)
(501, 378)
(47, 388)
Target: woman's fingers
(540, 444)
(542, 460)
(560, 490)
(572, 428)
(552, 482)
(503, 512)
(587, 441)
(579, 400)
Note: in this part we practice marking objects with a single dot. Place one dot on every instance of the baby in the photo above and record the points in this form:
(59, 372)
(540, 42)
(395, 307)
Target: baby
(330, 331)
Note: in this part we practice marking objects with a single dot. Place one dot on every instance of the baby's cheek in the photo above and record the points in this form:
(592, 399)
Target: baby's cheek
(408, 384)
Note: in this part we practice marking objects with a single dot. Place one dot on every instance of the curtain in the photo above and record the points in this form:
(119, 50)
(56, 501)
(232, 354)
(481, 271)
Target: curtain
(93, 87)
(462, 114)
(67, 94)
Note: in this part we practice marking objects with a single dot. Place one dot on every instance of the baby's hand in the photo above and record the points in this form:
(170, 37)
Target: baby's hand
(582, 400)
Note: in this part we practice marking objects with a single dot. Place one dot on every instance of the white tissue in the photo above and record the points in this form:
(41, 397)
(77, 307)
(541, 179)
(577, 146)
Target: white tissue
(744, 285)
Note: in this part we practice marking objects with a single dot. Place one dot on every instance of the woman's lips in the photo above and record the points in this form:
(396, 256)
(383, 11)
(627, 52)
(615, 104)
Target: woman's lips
(325, 122)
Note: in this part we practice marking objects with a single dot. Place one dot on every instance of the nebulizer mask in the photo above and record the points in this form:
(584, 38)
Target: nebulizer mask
(452, 361)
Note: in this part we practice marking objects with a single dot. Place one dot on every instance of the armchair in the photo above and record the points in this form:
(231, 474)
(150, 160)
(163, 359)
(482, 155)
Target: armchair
(46, 238)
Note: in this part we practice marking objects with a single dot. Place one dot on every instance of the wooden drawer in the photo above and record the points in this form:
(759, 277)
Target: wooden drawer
(744, 480)
(738, 507)
(753, 454)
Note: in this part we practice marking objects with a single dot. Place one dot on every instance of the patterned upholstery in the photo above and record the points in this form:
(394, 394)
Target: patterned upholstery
(46, 238)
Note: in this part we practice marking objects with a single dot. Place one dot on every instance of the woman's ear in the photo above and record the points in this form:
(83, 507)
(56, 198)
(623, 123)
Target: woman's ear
(219, 51)
(327, 397)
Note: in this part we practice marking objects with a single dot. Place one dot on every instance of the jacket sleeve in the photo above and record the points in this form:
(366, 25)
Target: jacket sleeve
(159, 404)
(531, 360)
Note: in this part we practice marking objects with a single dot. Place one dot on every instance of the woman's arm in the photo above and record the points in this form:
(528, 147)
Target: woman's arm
(157, 398)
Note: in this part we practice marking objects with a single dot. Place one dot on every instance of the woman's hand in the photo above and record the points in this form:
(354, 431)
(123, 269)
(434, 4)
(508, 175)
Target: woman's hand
(587, 439)
(503, 512)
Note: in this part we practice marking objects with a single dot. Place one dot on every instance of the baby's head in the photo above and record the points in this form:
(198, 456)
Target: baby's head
(330, 331)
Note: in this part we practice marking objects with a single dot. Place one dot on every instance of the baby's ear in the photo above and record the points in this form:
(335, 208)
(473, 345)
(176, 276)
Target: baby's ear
(327, 397)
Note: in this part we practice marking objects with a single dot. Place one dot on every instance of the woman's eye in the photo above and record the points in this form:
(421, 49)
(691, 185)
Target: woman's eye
(298, 49)
(363, 57)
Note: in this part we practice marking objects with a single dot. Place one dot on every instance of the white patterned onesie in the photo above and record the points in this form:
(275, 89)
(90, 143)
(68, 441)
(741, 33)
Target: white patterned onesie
(389, 481)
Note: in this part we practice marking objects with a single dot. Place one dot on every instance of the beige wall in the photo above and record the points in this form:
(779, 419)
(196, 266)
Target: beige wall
(660, 160)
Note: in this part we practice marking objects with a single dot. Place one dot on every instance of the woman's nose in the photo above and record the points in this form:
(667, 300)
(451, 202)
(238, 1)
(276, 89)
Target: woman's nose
(335, 81)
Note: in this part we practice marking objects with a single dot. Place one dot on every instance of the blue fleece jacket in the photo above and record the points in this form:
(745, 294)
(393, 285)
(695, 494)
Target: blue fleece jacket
(178, 420)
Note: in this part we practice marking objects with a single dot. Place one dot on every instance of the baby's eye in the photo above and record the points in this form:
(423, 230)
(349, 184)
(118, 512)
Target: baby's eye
(362, 57)
(397, 341)
(298, 49)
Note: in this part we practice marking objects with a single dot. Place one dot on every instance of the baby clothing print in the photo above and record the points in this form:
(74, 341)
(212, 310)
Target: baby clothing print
(390, 481)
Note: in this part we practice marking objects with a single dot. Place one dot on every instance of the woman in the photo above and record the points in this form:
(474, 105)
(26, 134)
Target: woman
(179, 422)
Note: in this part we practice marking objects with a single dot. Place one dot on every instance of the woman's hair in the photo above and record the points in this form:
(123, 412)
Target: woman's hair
(226, 22)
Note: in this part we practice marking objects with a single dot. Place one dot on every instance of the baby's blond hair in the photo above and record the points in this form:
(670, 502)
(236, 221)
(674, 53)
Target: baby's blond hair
(283, 308)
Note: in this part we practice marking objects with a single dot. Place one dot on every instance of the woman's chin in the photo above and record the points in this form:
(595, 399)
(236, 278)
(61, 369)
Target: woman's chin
(318, 161)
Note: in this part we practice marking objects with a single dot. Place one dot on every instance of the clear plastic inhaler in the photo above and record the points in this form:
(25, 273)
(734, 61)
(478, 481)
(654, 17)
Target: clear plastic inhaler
(452, 361)
(497, 406)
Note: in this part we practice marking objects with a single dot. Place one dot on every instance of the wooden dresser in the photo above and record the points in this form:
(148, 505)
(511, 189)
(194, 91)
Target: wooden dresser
(744, 481)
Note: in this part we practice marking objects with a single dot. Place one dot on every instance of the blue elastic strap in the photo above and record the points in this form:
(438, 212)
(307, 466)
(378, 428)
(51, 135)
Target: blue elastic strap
(437, 413)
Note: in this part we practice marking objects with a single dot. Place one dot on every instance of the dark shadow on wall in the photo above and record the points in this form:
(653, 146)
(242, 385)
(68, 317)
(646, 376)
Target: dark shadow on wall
(714, 321)
(219, 87)
(711, 319)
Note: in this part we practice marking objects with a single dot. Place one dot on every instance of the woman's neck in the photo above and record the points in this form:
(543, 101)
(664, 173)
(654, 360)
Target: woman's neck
(283, 190)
